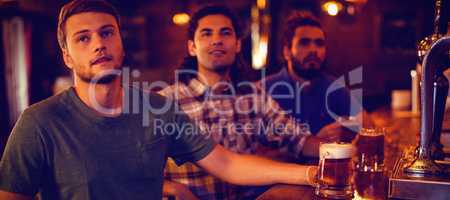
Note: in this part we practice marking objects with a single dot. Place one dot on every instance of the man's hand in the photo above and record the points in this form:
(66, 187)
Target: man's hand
(330, 132)
(340, 131)
(178, 190)
(335, 132)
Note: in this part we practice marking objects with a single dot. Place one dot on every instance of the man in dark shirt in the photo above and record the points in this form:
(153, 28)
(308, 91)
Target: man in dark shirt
(302, 87)
(89, 143)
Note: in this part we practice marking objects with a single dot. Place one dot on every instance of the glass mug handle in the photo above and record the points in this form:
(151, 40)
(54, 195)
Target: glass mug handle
(312, 173)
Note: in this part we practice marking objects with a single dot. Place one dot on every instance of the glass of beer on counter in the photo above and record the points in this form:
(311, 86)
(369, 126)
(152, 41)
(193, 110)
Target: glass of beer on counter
(334, 179)
(370, 149)
(370, 185)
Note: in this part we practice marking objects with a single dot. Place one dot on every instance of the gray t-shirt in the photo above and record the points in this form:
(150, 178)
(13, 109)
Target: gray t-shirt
(64, 150)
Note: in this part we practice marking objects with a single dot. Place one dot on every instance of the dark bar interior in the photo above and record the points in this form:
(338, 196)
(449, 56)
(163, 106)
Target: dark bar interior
(376, 48)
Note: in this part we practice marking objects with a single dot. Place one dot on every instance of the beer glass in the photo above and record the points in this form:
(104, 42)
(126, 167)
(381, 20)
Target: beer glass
(335, 171)
(351, 127)
(370, 150)
(370, 185)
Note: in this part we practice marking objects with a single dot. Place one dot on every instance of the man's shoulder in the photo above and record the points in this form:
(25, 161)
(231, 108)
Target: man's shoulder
(278, 77)
(157, 98)
(46, 108)
(167, 91)
(275, 76)
(41, 114)
(175, 91)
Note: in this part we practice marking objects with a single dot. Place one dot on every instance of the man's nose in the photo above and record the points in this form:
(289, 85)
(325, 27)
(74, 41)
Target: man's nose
(313, 50)
(98, 43)
(217, 40)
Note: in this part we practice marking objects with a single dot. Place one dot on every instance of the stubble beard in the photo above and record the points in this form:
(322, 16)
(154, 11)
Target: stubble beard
(104, 78)
(307, 72)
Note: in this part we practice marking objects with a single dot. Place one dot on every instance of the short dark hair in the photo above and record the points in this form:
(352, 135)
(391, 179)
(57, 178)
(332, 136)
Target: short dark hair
(81, 6)
(213, 10)
(296, 21)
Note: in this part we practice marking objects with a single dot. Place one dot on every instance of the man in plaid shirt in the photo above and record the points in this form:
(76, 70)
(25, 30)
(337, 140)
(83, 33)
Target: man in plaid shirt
(234, 113)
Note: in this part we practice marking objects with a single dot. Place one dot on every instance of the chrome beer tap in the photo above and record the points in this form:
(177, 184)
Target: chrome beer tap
(440, 92)
(433, 99)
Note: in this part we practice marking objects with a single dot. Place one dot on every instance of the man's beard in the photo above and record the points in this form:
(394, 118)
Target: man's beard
(102, 79)
(306, 72)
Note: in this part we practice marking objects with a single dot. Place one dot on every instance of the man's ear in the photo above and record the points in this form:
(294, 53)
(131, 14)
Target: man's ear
(191, 48)
(67, 59)
(287, 53)
(238, 46)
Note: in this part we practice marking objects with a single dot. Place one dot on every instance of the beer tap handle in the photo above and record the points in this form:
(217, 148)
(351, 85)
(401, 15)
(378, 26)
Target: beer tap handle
(433, 61)
(440, 92)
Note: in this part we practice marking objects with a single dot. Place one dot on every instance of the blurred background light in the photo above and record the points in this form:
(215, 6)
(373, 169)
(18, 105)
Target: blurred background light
(332, 8)
(261, 4)
(181, 19)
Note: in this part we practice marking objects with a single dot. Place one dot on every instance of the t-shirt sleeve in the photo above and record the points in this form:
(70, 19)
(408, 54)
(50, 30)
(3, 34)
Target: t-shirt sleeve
(22, 163)
(189, 143)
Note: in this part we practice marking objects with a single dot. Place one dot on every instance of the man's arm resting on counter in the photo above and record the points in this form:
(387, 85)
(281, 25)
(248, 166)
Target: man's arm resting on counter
(13, 196)
(252, 170)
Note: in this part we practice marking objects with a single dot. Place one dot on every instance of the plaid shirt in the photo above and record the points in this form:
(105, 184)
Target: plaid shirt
(240, 123)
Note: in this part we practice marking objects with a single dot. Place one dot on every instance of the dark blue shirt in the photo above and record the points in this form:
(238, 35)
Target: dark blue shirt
(318, 102)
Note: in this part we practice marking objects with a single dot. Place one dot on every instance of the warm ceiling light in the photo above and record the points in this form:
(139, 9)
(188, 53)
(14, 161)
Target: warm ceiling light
(351, 10)
(261, 4)
(181, 19)
(332, 7)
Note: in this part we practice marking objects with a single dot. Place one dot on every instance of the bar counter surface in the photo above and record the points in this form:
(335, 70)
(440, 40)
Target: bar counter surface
(402, 133)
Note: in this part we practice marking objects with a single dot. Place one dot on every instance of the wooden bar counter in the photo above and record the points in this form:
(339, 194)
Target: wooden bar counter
(402, 130)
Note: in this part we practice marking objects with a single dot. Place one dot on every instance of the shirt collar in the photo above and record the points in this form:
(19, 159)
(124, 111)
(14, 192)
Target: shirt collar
(285, 75)
(199, 88)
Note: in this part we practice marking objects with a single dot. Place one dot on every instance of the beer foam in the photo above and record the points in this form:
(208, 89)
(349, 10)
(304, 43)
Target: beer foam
(336, 151)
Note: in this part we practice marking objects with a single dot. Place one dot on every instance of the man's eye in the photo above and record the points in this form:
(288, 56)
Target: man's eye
(205, 34)
(305, 42)
(319, 42)
(83, 38)
(226, 33)
(107, 33)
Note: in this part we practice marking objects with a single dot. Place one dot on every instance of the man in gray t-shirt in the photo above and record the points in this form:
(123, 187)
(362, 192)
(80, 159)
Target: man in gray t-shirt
(65, 150)
(98, 141)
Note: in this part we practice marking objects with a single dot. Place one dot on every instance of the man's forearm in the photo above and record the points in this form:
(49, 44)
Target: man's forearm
(13, 196)
(253, 170)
